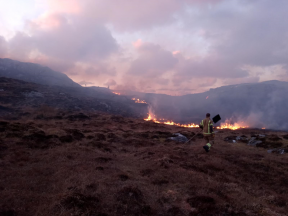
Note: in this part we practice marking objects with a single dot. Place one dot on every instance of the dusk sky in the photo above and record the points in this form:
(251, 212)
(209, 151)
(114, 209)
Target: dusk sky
(174, 47)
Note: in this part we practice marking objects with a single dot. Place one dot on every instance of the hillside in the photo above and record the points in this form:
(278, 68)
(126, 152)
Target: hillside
(35, 73)
(257, 104)
(18, 97)
(101, 164)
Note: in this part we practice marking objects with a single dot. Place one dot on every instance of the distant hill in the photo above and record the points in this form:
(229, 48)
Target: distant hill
(262, 104)
(259, 105)
(17, 95)
(35, 73)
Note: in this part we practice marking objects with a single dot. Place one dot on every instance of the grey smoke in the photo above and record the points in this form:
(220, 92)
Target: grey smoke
(257, 104)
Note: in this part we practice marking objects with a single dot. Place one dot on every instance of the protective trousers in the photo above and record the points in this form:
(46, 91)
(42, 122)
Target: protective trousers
(209, 140)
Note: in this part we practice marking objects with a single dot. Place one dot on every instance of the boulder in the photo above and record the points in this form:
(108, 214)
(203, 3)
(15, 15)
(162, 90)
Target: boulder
(230, 139)
(278, 151)
(253, 141)
(179, 138)
(242, 138)
(261, 136)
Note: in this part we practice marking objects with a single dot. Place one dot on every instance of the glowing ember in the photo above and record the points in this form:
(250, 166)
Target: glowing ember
(139, 101)
(116, 93)
(162, 121)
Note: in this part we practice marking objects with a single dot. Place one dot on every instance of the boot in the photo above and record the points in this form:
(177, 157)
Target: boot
(206, 148)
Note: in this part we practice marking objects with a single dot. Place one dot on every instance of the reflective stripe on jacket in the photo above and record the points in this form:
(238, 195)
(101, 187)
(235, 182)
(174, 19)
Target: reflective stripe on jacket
(207, 125)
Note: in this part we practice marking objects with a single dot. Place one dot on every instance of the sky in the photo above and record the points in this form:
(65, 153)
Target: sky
(173, 47)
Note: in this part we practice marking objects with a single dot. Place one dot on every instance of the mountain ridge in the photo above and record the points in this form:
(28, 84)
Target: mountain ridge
(35, 73)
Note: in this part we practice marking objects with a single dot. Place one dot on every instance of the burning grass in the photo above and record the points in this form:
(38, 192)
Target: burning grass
(225, 125)
(100, 166)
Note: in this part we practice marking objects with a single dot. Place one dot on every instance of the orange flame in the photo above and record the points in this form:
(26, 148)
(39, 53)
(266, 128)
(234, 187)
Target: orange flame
(116, 93)
(139, 101)
(226, 125)
(234, 126)
(151, 117)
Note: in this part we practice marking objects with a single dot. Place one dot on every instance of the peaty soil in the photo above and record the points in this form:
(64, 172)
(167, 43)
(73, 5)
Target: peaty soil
(108, 165)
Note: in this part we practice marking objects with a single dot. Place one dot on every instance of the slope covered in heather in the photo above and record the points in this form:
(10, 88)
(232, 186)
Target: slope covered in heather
(101, 164)
(35, 73)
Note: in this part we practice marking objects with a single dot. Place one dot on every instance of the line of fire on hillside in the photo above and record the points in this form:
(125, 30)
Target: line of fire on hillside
(152, 117)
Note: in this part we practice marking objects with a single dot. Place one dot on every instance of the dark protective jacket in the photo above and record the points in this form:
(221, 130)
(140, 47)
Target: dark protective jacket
(207, 125)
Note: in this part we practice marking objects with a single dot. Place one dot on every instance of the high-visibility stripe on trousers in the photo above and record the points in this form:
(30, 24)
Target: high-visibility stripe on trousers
(209, 145)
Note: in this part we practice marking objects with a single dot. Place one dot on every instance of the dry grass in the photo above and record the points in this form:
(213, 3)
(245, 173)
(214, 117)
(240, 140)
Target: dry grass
(109, 165)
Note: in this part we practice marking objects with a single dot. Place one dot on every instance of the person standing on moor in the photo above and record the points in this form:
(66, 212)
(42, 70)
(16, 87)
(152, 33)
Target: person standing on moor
(207, 126)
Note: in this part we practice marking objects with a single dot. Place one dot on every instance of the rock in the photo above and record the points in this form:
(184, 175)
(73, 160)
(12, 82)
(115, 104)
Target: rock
(278, 151)
(261, 136)
(179, 138)
(285, 136)
(254, 142)
(242, 139)
(33, 94)
(230, 139)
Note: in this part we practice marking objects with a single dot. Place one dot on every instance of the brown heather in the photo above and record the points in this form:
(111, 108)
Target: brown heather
(72, 164)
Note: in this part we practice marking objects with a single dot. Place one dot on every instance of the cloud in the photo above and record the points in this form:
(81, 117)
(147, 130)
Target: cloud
(185, 44)
(245, 32)
(211, 66)
(3, 47)
(72, 39)
(110, 82)
(134, 15)
(66, 43)
(153, 61)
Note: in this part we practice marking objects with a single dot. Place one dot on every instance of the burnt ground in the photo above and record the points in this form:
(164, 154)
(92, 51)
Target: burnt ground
(17, 96)
(100, 164)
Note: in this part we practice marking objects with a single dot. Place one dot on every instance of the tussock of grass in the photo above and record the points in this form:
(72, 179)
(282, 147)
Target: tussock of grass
(110, 165)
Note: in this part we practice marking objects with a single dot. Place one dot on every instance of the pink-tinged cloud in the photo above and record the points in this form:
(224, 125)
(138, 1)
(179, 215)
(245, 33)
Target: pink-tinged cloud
(152, 61)
(130, 15)
(62, 6)
(110, 82)
(48, 22)
(138, 43)
(185, 45)
(3, 47)
(71, 39)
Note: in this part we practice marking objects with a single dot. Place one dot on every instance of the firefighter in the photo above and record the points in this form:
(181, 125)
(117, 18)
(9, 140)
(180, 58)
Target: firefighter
(207, 126)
